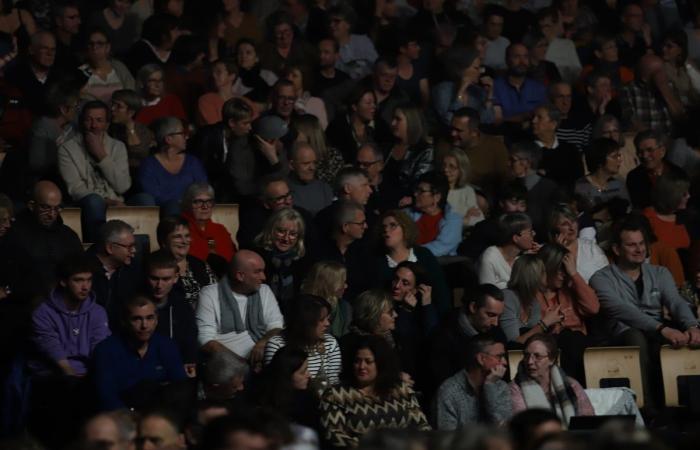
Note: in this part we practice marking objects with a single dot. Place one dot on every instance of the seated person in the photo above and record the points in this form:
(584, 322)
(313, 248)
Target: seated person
(461, 196)
(157, 102)
(131, 365)
(308, 191)
(439, 229)
(603, 159)
(162, 427)
(137, 137)
(69, 324)
(351, 184)
(175, 317)
(356, 53)
(240, 313)
(669, 201)
(223, 375)
(168, 172)
(515, 94)
(476, 394)
(386, 191)
(540, 383)
(516, 236)
(560, 50)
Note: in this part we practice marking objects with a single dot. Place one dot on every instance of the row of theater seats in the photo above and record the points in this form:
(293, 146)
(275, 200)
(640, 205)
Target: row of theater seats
(145, 219)
(622, 364)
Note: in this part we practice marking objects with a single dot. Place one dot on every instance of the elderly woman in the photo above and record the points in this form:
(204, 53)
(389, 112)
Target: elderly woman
(566, 289)
(411, 156)
(328, 280)
(461, 196)
(281, 245)
(669, 198)
(564, 230)
(157, 103)
(105, 74)
(561, 161)
(396, 243)
(329, 159)
(604, 159)
(305, 103)
(516, 236)
(211, 242)
(307, 329)
(137, 137)
(174, 236)
(540, 383)
(465, 87)
(372, 396)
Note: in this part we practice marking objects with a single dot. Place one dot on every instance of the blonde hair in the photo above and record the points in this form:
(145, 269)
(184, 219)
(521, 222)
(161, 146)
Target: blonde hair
(310, 126)
(526, 278)
(463, 163)
(325, 279)
(368, 308)
(266, 237)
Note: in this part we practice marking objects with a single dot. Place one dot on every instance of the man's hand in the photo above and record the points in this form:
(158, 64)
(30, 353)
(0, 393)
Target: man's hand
(693, 337)
(675, 337)
(268, 149)
(257, 354)
(191, 370)
(94, 144)
(425, 292)
(495, 374)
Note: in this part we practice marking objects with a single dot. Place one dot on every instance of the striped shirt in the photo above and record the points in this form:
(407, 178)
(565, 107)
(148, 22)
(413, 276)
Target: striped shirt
(330, 359)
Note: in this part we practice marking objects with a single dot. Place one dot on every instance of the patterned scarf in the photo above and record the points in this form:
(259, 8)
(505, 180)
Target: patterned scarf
(231, 316)
(563, 402)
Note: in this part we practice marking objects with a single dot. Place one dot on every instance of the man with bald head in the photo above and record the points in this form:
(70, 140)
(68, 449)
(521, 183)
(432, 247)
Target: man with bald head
(239, 313)
(648, 103)
(43, 239)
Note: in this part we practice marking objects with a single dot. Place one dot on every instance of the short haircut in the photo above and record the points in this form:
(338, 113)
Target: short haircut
(523, 424)
(59, 95)
(368, 308)
(96, 30)
(668, 192)
(680, 38)
(348, 175)
(480, 295)
(549, 341)
(186, 50)
(471, 114)
(168, 225)
(221, 366)
(642, 136)
(388, 61)
(526, 278)
(236, 109)
(345, 213)
(93, 104)
(297, 147)
(345, 12)
(145, 73)
(527, 150)
(416, 127)
(598, 151)
(555, 215)
(438, 184)
(376, 151)
(511, 224)
(593, 77)
(164, 127)
(266, 180)
(548, 13)
(630, 222)
(172, 417)
(111, 230)
(131, 98)
(75, 264)
(420, 275)
(462, 162)
(552, 90)
(552, 112)
(266, 237)
(409, 227)
(59, 7)
(600, 38)
(161, 259)
(137, 301)
(475, 345)
(336, 45)
(156, 29)
(194, 190)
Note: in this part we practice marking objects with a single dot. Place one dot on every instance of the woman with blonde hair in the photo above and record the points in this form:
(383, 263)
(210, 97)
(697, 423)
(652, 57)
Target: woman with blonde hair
(328, 280)
(281, 245)
(461, 196)
(329, 160)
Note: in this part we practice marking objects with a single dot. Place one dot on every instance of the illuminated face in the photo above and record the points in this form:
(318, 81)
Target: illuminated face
(403, 284)
(178, 242)
(366, 108)
(285, 235)
(537, 360)
(632, 248)
(651, 154)
(142, 322)
(393, 233)
(365, 367)
(247, 57)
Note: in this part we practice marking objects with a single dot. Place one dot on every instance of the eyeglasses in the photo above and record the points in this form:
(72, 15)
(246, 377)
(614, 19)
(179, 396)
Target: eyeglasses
(291, 234)
(201, 203)
(363, 223)
(47, 209)
(537, 356)
(129, 247)
(390, 226)
(531, 232)
(367, 164)
(648, 149)
(281, 198)
(419, 191)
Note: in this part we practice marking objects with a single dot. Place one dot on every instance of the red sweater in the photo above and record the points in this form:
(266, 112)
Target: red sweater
(220, 238)
(169, 105)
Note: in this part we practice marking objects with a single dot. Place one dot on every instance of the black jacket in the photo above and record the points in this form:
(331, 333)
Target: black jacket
(177, 321)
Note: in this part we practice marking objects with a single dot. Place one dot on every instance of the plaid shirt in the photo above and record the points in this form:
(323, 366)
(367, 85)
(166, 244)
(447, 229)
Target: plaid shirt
(641, 104)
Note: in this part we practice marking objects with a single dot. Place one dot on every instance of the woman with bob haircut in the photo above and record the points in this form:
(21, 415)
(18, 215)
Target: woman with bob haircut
(541, 383)
(461, 197)
(281, 245)
(522, 316)
(328, 280)
(306, 329)
(411, 156)
(669, 199)
(603, 159)
(372, 396)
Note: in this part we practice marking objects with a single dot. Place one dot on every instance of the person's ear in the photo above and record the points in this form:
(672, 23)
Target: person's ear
(62, 283)
(480, 358)
(616, 249)
(472, 307)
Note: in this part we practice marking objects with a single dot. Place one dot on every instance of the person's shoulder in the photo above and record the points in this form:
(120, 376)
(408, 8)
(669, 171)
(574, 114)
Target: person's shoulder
(111, 345)
(209, 291)
(453, 385)
(340, 394)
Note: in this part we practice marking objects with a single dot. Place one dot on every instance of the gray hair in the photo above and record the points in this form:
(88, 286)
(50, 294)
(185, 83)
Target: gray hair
(345, 213)
(111, 230)
(376, 151)
(222, 366)
(348, 175)
(527, 150)
(194, 190)
(511, 224)
(125, 422)
(265, 238)
(164, 127)
(145, 73)
(130, 97)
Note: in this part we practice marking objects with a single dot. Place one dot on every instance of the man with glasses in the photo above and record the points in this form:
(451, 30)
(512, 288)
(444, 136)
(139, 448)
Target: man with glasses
(386, 191)
(478, 393)
(118, 273)
(43, 240)
(351, 184)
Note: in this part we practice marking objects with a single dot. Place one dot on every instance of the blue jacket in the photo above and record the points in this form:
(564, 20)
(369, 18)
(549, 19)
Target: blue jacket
(118, 367)
(72, 335)
(449, 236)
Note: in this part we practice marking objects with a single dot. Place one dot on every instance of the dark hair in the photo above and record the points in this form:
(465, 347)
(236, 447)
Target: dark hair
(475, 345)
(356, 95)
(59, 95)
(156, 29)
(552, 255)
(630, 222)
(386, 359)
(167, 225)
(470, 113)
(523, 425)
(136, 301)
(438, 184)
(186, 50)
(548, 340)
(678, 37)
(480, 295)
(93, 104)
(668, 192)
(346, 12)
(303, 320)
(419, 272)
(96, 30)
(598, 151)
(161, 259)
(512, 190)
(274, 20)
(75, 264)
(276, 390)
(217, 433)
(649, 134)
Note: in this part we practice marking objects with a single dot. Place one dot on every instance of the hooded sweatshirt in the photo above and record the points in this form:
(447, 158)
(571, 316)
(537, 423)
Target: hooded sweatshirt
(72, 335)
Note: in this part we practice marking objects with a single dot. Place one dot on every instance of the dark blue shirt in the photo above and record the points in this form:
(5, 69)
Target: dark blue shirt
(119, 367)
(532, 94)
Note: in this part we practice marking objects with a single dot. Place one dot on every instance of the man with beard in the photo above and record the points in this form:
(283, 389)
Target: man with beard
(515, 95)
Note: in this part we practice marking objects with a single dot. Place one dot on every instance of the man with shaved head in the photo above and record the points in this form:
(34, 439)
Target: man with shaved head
(43, 239)
(239, 313)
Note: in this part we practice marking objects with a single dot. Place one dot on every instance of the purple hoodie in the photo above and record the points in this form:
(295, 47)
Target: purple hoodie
(72, 335)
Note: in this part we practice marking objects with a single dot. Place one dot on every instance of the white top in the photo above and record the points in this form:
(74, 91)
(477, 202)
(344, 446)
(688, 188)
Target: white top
(590, 258)
(462, 200)
(330, 359)
(209, 318)
(493, 268)
(495, 53)
(562, 52)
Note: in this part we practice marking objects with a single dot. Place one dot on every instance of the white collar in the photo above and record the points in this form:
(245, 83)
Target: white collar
(411, 257)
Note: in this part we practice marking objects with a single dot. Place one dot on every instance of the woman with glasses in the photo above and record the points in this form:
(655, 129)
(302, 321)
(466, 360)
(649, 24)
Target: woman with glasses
(604, 159)
(281, 245)
(541, 383)
(174, 236)
(395, 244)
(211, 242)
(609, 126)
(157, 102)
(105, 74)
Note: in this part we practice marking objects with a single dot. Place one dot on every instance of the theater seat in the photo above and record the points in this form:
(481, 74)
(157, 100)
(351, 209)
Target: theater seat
(227, 215)
(144, 219)
(676, 363)
(514, 358)
(616, 365)
(71, 219)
